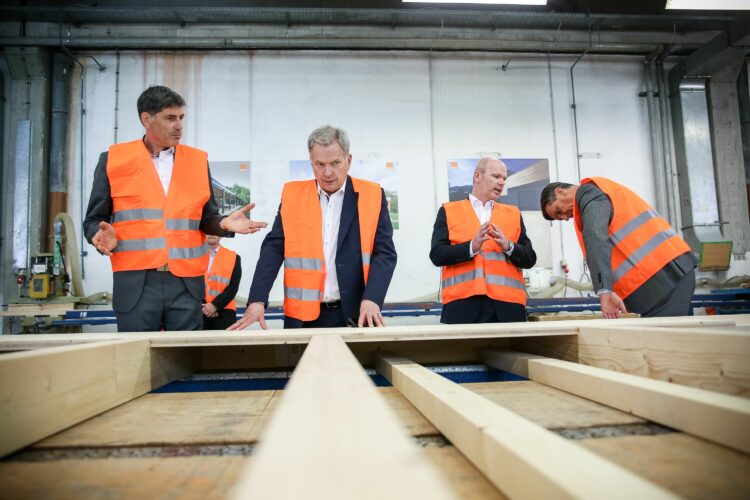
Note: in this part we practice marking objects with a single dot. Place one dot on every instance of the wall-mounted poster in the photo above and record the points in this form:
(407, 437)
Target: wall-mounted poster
(230, 182)
(526, 179)
(382, 172)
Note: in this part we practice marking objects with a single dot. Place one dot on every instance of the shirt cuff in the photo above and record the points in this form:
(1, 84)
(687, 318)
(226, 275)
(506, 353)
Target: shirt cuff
(602, 291)
(471, 252)
(509, 250)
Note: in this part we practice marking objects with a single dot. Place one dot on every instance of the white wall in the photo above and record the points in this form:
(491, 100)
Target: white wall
(414, 108)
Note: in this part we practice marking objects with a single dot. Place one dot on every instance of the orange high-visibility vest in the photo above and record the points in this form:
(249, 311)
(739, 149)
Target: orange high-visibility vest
(154, 230)
(489, 272)
(643, 241)
(304, 262)
(220, 274)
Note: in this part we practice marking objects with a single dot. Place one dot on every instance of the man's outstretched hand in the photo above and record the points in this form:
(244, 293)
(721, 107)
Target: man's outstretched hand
(239, 221)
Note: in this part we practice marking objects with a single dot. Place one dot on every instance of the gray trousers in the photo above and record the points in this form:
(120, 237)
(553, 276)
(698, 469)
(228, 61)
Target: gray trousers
(676, 302)
(165, 303)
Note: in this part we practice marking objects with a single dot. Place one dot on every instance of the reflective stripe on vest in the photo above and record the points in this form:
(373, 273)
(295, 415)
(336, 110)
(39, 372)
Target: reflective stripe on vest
(643, 241)
(489, 272)
(154, 230)
(304, 262)
(220, 275)
(138, 214)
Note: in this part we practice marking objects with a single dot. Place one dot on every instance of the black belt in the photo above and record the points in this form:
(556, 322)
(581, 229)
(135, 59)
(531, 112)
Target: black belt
(330, 305)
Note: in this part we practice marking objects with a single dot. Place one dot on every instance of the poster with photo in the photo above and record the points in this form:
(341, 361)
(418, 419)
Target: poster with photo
(384, 173)
(230, 183)
(526, 179)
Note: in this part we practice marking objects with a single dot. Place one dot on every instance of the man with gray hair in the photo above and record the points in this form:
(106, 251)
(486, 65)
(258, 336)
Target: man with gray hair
(335, 239)
(481, 245)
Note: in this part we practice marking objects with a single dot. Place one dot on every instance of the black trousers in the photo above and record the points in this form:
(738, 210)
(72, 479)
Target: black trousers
(165, 304)
(225, 319)
(330, 317)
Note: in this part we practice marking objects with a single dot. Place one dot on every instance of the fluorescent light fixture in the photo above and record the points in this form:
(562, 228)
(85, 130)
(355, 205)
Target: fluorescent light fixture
(708, 4)
(495, 2)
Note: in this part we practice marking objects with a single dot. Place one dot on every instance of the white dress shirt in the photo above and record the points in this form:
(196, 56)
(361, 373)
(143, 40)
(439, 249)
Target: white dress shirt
(164, 163)
(484, 212)
(330, 209)
(211, 254)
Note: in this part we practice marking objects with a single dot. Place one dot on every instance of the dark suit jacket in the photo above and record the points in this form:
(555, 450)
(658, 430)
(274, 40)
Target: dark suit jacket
(348, 258)
(443, 253)
(128, 285)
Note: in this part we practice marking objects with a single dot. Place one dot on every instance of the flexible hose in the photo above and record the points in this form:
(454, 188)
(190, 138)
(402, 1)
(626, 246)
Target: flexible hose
(733, 282)
(71, 254)
(558, 283)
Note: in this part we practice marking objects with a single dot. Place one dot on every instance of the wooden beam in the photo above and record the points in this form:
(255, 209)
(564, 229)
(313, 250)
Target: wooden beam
(717, 417)
(357, 335)
(521, 458)
(716, 359)
(333, 436)
(45, 391)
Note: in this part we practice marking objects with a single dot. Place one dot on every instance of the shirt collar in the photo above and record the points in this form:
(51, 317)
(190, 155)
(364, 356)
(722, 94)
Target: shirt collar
(170, 151)
(323, 193)
(475, 201)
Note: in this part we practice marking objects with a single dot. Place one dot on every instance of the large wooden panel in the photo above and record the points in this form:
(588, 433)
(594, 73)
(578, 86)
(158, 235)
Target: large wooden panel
(689, 466)
(199, 477)
(192, 418)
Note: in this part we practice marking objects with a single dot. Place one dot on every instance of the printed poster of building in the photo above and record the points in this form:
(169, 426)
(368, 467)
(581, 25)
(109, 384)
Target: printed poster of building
(230, 183)
(526, 179)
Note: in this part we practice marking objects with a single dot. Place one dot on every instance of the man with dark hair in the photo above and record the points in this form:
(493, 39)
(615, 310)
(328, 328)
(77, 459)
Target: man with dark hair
(150, 209)
(482, 246)
(638, 263)
(334, 236)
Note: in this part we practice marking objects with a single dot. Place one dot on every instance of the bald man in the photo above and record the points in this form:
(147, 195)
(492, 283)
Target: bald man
(481, 246)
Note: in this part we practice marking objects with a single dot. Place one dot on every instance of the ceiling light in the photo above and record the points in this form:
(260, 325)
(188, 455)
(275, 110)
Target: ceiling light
(706, 5)
(496, 2)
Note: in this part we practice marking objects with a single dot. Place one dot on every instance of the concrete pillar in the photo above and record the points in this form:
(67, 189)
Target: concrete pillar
(729, 163)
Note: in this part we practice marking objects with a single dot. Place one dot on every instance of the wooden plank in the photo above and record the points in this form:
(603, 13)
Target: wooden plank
(196, 477)
(574, 316)
(549, 407)
(205, 418)
(139, 475)
(717, 417)
(521, 458)
(689, 466)
(716, 359)
(346, 442)
(354, 335)
(210, 418)
(45, 391)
